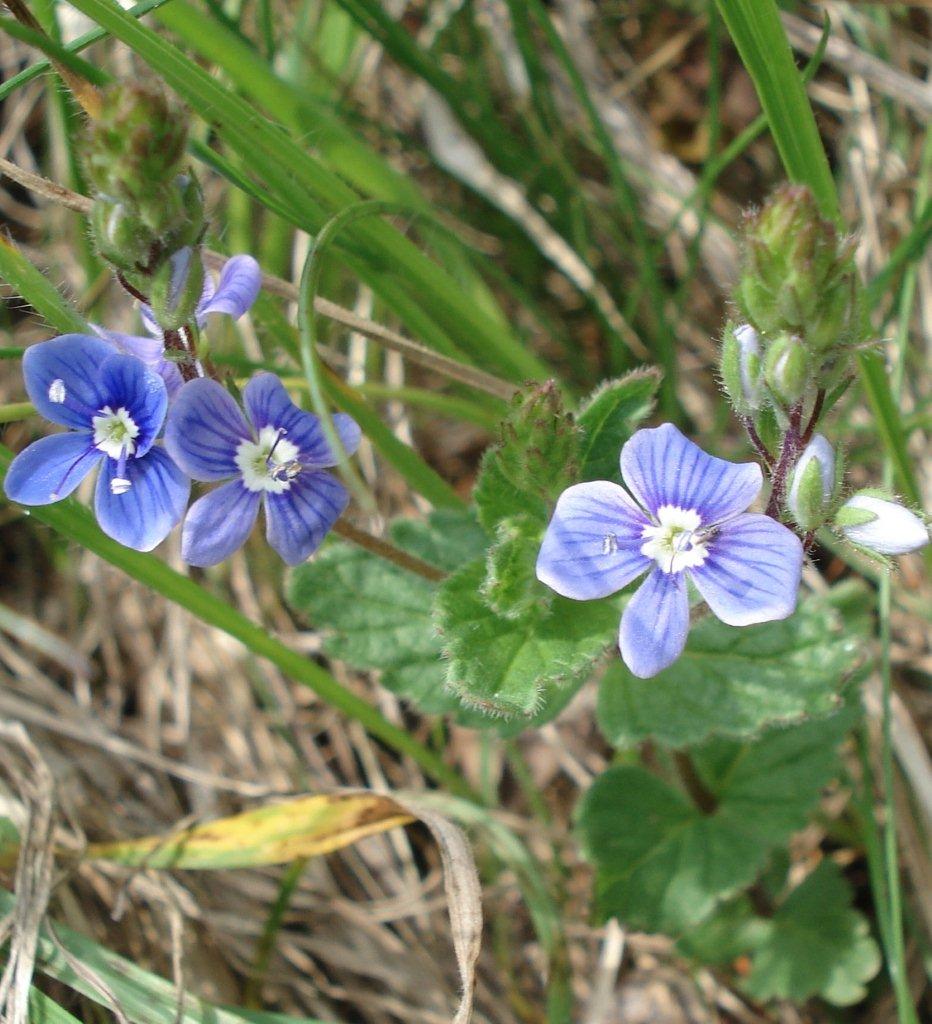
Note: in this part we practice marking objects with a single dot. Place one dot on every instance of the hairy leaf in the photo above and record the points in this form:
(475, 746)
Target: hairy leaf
(609, 417)
(734, 681)
(504, 665)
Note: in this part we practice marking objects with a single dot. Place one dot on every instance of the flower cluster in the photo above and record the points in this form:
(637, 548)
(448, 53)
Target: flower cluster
(129, 414)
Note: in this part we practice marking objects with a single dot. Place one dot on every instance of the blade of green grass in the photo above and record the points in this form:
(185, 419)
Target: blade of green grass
(394, 267)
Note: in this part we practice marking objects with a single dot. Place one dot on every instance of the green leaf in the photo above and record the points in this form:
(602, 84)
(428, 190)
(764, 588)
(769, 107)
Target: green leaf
(815, 944)
(378, 615)
(734, 681)
(533, 461)
(505, 666)
(511, 587)
(662, 864)
(609, 417)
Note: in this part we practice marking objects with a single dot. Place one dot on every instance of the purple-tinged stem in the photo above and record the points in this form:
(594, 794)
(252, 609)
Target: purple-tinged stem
(759, 446)
(788, 452)
(814, 418)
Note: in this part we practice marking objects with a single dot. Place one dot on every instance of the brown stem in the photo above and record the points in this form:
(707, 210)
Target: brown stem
(814, 418)
(388, 551)
(788, 452)
(701, 796)
(762, 450)
(127, 287)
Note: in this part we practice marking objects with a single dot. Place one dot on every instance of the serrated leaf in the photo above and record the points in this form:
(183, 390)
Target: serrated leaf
(815, 944)
(378, 616)
(505, 665)
(534, 460)
(662, 864)
(734, 681)
(610, 416)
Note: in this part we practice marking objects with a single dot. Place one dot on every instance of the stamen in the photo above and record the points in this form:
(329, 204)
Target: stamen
(120, 485)
(281, 433)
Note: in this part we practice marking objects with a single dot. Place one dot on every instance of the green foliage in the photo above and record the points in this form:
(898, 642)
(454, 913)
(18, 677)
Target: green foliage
(511, 588)
(733, 681)
(505, 666)
(663, 862)
(813, 944)
(535, 459)
(38, 291)
(608, 418)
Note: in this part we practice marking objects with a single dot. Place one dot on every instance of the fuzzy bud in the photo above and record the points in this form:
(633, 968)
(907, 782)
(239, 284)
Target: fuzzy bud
(176, 289)
(813, 485)
(876, 522)
(741, 367)
(787, 368)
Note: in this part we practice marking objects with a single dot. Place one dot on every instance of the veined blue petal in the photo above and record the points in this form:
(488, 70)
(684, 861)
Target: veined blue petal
(63, 378)
(662, 467)
(298, 519)
(654, 624)
(148, 349)
(237, 289)
(204, 429)
(592, 547)
(129, 385)
(268, 404)
(218, 524)
(752, 571)
(51, 468)
(141, 515)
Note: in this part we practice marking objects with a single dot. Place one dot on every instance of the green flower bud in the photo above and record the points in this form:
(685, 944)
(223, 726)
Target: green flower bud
(137, 143)
(176, 289)
(120, 235)
(813, 485)
(787, 368)
(741, 367)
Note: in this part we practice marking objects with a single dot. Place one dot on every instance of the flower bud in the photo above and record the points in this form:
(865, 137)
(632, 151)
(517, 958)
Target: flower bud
(876, 522)
(741, 367)
(787, 368)
(136, 144)
(176, 289)
(120, 235)
(813, 484)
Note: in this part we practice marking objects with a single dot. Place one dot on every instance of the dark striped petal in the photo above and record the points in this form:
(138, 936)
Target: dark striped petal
(204, 429)
(654, 624)
(662, 467)
(298, 519)
(752, 571)
(592, 547)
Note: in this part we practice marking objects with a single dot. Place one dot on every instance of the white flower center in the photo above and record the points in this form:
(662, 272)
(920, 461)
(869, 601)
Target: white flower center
(676, 542)
(269, 464)
(115, 432)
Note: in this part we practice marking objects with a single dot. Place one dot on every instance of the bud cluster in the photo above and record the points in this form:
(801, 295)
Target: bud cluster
(802, 313)
(148, 215)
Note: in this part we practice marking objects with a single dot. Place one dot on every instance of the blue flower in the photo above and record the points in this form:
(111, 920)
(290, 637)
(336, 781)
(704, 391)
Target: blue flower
(277, 460)
(114, 409)
(684, 521)
(235, 293)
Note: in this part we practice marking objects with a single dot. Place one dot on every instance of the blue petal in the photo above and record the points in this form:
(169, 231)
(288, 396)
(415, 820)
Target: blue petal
(142, 516)
(240, 281)
(592, 547)
(204, 429)
(219, 523)
(129, 385)
(298, 519)
(71, 363)
(662, 467)
(268, 404)
(752, 571)
(50, 468)
(654, 624)
(149, 349)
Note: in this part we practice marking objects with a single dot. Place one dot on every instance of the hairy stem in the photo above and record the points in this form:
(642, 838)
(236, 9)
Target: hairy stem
(762, 450)
(813, 418)
(788, 452)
